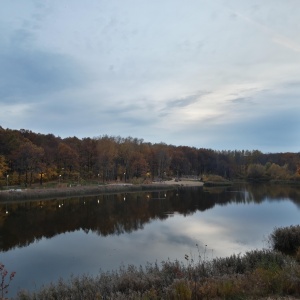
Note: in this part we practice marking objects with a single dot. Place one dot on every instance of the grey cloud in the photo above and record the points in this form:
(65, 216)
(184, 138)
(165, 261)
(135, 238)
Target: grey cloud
(178, 103)
(26, 72)
(241, 100)
(272, 131)
(183, 102)
(134, 65)
(163, 114)
(292, 84)
(269, 133)
(20, 38)
(127, 116)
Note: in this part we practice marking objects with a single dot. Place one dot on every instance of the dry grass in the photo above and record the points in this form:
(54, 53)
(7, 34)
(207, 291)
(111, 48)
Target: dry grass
(256, 275)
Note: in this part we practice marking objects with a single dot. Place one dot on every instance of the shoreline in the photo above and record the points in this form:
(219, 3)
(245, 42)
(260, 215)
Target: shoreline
(90, 190)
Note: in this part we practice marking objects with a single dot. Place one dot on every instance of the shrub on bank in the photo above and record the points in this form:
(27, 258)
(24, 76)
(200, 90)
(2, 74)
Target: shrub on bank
(215, 180)
(286, 239)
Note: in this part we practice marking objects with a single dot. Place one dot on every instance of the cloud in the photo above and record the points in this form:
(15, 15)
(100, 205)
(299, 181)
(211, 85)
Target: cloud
(274, 36)
(26, 73)
(248, 119)
(261, 131)
(182, 102)
(241, 100)
(204, 74)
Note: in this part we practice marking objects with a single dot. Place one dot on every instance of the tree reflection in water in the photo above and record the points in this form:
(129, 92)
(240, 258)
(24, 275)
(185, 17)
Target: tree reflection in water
(22, 223)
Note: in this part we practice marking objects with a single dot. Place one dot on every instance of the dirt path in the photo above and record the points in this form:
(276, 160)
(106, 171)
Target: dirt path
(184, 182)
(73, 191)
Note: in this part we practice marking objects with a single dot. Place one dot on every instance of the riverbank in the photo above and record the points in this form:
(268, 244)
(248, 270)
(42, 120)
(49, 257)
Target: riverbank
(90, 190)
(259, 274)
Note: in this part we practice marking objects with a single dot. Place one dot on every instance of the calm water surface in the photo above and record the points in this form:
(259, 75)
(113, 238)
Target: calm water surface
(45, 240)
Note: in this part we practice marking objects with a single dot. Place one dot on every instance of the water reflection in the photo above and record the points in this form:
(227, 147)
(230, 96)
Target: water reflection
(86, 234)
(22, 223)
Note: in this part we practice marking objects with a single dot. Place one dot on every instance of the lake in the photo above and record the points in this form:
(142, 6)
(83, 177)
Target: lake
(45, 240)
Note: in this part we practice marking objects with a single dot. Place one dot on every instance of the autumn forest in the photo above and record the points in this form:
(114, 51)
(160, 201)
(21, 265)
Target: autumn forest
(28, 158)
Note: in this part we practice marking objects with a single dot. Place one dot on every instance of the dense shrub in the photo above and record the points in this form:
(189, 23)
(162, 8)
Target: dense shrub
(215, 178)
(286, 239)
(255, 172)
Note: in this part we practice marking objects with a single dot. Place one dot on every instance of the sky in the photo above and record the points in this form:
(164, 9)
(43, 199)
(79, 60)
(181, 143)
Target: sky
(221, 74)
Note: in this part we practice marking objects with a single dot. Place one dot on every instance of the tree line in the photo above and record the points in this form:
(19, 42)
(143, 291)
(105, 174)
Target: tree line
(27, 157)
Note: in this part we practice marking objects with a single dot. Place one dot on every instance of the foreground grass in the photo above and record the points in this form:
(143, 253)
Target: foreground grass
(256, 274)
